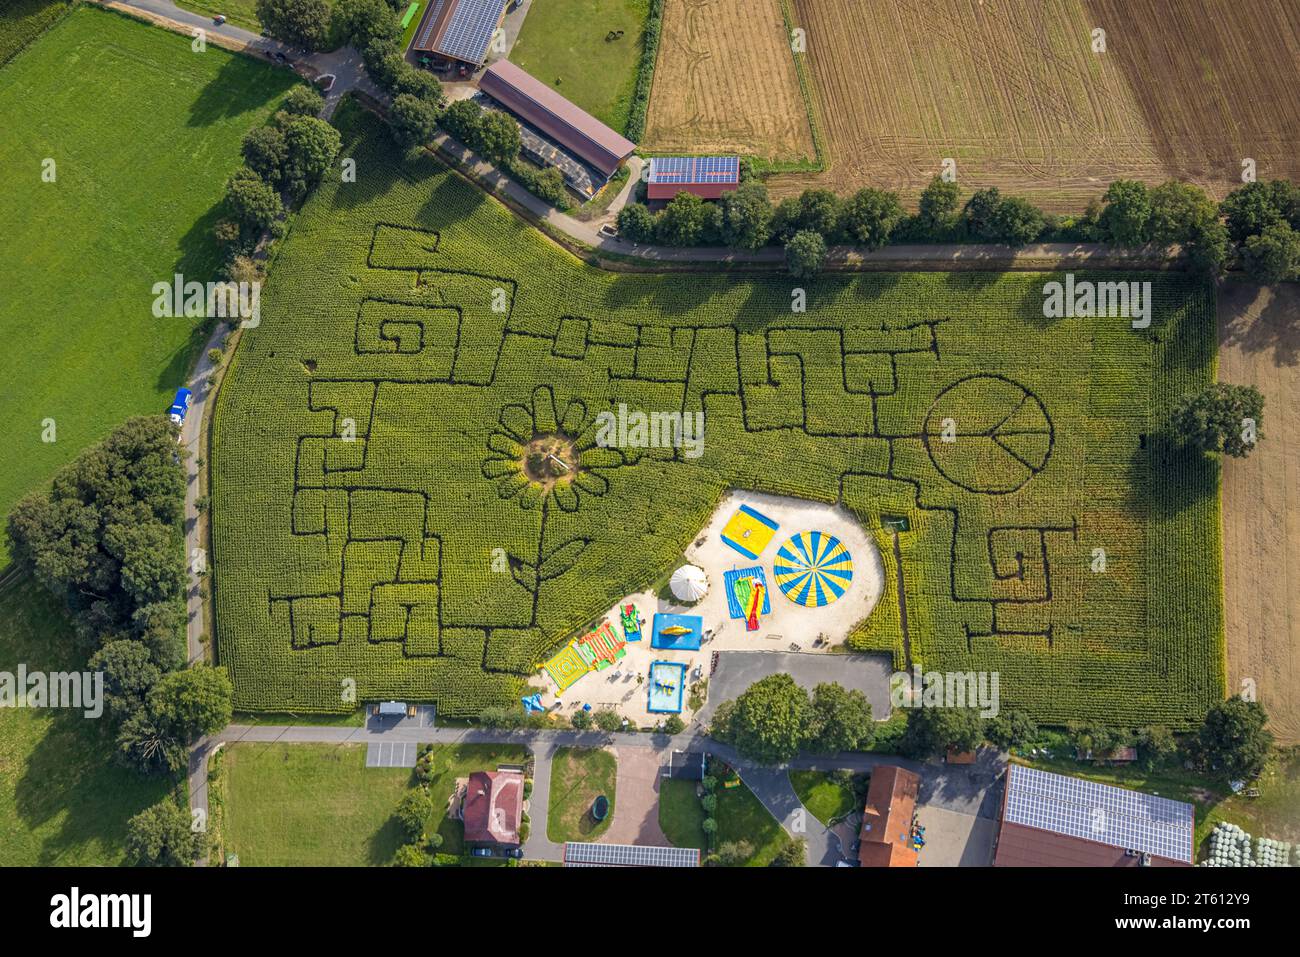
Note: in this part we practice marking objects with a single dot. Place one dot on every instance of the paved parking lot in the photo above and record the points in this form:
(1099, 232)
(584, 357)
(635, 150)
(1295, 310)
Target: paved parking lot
(953, 839)
(391, 754)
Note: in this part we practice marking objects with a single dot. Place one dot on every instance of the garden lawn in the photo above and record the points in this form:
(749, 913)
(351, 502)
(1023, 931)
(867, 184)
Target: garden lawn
(63, 799)
(143, 133)
(318, 805)
(311, 805)
(742, 817)
(564, 46)
(825, 797)
(459, 761)
(680, 815)
(578, 776)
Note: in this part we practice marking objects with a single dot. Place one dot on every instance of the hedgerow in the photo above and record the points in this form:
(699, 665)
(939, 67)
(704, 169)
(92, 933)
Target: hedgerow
(645, 73)
(376, 532)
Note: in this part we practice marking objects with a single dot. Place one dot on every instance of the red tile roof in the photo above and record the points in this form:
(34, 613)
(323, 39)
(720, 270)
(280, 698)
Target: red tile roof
(1022, 846)
(537, 104)
(887, 819)
(494, 807)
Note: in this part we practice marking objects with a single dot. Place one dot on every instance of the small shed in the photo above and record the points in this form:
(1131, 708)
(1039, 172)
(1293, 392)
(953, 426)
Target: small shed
(685, 766)
(397, 708)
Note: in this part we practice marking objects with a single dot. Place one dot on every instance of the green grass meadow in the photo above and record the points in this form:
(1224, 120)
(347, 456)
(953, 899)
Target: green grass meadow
(578, 776)
(563, 44)
(143, 133)
(824, 797)
(63, 801)
(318, 805)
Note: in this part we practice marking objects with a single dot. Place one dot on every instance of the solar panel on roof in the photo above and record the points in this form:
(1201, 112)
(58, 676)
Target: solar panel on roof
(628, 855)
(470, 31)
(694, 169)
(427, 25)
(1099, 812)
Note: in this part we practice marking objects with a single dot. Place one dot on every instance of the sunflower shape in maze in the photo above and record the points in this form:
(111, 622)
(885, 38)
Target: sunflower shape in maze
(988, 434)
(535, 456)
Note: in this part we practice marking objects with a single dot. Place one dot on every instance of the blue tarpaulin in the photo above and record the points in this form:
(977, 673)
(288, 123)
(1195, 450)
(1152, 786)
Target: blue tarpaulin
(690, 641)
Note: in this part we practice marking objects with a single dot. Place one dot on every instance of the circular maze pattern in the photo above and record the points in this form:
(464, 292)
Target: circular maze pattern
(988, 434)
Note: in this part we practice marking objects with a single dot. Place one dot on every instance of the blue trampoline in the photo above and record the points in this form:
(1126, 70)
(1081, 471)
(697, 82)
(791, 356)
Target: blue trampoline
(688, 640)
(729, 583)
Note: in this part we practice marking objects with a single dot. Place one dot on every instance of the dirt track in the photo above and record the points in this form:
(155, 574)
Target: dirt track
(1259, 344)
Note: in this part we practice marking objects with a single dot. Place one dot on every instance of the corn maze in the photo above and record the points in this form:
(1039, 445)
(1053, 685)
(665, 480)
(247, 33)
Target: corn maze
(378, 532)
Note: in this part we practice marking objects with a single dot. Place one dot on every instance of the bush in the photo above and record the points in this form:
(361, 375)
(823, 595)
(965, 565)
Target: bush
(252, 201)
(412, 120)
(497, 138)
(304, 101)
(607, 720)
(412, 855)
(1214, 420)
(805, 254)
(461, 120)
(581, 720)
(687, 220)
(299, 23)
(674, 724)
(1273, 255)
(161, 836)
(870, 216)
(636, 223)
(413, 810)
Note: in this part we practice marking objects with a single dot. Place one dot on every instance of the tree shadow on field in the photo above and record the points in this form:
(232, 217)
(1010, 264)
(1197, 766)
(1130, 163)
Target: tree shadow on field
(199, 256)
(239, 87)
(1175, 477)
(1257, 318)
(178, 364)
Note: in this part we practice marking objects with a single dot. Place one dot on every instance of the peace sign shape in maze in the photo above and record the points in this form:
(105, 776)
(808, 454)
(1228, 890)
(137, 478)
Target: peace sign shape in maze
(988, 434)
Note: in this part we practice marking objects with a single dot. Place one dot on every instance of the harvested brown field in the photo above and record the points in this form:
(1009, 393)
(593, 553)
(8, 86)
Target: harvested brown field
(726, 82)
(1012, 90)
(1259, 344)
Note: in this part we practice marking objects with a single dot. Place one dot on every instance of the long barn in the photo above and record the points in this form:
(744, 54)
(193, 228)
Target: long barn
(573, 129)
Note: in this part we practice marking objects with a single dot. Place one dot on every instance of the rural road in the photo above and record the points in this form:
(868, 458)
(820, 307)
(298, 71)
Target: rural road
(192, 438)
(966, 791)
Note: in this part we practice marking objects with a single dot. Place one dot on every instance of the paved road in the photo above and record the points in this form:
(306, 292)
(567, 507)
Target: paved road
(964, 790)
(192, 438)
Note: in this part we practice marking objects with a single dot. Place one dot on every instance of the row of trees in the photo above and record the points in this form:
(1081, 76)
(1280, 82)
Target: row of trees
(283, 161)
(107, 539)
(774, 719)
(1259, 221)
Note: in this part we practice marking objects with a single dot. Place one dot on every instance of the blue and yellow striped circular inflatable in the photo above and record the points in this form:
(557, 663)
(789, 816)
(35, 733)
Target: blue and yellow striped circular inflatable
(813, 569)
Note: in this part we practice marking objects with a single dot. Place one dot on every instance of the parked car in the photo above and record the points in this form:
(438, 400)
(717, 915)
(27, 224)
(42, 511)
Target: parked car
(481, 852)
(180, 406)
(219, 19)
(516, 852)
(609, 229)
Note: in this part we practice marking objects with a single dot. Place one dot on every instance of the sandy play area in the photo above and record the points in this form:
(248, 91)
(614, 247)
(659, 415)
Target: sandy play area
(788, 627)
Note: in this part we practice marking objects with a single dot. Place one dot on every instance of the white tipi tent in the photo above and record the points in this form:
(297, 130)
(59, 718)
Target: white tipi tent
(689, 583)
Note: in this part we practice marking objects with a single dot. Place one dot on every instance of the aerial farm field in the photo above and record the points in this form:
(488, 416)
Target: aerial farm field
(726, 82)
(1011, 90)
(133, 202)
(378, 532)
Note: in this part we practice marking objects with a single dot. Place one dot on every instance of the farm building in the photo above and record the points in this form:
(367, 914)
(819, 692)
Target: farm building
(1053, 820)
(572, 129)
(454, 34)
(886, 833)
(494, 807)
(706, 176)
(578, 854)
